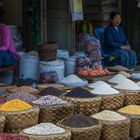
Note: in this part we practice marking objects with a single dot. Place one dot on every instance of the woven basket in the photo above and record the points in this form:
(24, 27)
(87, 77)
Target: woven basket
(63, 136)
(48, 51)
(115, 130)
(85, 133)
(18, 120)
(55, 113)
(134, 124)
(112, 102)
(2, 123)
(131, 97)
(85, 106)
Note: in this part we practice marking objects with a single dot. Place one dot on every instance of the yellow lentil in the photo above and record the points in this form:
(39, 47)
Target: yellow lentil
(15, 105)
(131, 109)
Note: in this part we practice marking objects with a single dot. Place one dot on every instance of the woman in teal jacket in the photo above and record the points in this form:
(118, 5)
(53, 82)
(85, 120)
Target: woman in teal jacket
(116, 43)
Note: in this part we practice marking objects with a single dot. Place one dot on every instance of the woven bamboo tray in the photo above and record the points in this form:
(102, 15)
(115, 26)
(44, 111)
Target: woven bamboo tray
(55, 113)
(43, 86)
(2, 123)
(115, 130)
(112, 102)
(63, 136)
(85, 133)
(85, 106)
(131, 97)
(134, 124)
(18, 120)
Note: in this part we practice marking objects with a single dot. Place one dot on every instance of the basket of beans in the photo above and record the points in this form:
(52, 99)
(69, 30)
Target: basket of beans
(19, 115)
(114, 125)
(53, 109)
(133, 112)
(84, 101)
(82, 127)
(46, 131)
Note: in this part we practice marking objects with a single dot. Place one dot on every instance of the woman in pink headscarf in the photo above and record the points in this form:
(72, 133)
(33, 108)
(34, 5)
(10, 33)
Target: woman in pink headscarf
(8, 53)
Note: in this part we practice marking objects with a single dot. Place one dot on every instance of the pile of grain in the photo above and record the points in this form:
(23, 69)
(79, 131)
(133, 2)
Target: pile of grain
(108, 116)
(80, 93)
(104, 90)
(78, 121)
(15, 105)
(119, 78)
(44, 129)
(127, 85)
(98, 83)
(131, 109)
(50, 100)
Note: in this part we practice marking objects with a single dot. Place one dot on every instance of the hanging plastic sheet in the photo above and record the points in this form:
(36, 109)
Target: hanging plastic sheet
(76, 7)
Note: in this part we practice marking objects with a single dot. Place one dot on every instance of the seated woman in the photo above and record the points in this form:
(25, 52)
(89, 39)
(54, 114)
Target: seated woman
(8, 53)
(116, 43)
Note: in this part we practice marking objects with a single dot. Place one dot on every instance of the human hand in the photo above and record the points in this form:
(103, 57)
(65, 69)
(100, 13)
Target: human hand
(126, 47)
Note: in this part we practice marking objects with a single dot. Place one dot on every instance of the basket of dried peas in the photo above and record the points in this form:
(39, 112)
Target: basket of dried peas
(19, 115)
(2, 123)
(133, 112)
(114, 125)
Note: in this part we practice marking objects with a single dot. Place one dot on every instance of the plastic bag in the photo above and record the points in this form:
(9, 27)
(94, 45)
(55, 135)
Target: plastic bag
(49, 77)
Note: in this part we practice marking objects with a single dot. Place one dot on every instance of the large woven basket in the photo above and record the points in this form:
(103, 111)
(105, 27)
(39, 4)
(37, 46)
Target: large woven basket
(63, 136)
(112, 102)
(18, 120)
(131, 97)
(55, 113)
(85, 133)
(85, 106)
(2, 123)
(115, 130)
(134, 124)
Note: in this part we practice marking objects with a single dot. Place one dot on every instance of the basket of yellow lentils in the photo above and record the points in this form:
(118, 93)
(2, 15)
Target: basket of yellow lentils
(2, 123)
(19, 115)
(133, 112)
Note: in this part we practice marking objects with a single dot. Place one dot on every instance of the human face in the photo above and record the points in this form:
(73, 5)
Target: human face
(116, 20)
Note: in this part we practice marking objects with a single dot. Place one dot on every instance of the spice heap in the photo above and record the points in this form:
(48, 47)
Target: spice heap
(73, 80)
(26, 82)
(119, 78)
(44, 129)
(4, 136)
(23, 89)
(50, 91)
(15, 105)
(49, 100)
(79, 121)
(104, 90)
(2, 100)
(80, 93)
(108, 116)
(128, 85)
(98, 83)
(127, 75)
(131, 109)
(22, 96)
